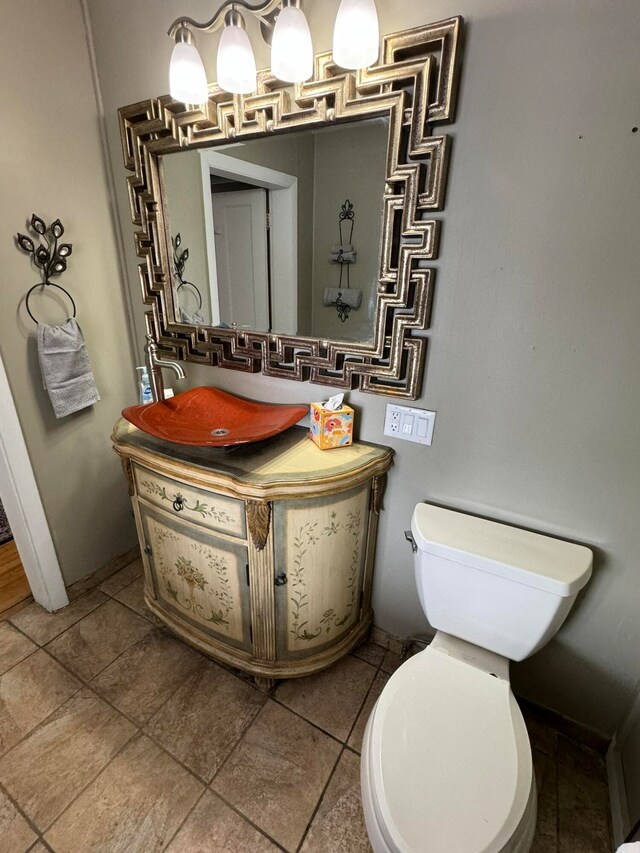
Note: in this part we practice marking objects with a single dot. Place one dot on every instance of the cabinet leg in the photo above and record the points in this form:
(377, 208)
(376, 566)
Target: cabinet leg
(266, 684)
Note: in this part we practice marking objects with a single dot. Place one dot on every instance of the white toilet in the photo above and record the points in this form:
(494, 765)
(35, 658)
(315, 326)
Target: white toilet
(446, 761)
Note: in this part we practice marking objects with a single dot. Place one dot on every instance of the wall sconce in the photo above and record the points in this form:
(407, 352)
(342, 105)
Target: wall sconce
(284, 26)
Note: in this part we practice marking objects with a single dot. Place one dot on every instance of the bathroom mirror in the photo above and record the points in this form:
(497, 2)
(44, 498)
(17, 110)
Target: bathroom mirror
(262, 224)
(291, 231)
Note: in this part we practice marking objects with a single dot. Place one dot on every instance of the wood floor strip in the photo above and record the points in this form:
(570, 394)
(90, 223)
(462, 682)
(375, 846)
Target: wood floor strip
(14, 586)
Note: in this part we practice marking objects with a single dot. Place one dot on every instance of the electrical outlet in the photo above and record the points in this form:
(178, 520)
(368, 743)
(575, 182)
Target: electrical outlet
(409, 424)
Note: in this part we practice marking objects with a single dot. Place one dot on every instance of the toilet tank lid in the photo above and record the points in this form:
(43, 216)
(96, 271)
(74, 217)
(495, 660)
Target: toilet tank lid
(561, 568)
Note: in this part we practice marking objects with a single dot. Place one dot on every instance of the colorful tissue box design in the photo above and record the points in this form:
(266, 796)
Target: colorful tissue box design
(331, 428)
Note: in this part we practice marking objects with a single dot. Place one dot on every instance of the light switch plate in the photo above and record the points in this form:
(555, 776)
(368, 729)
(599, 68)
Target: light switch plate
(409, 424)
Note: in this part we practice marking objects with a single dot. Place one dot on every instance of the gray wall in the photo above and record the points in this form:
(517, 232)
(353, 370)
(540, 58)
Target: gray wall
(51, 164)
(534, 349)
(182, 181)
(350, 162)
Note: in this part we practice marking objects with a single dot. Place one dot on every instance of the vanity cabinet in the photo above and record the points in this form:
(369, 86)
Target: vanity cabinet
(261, 556)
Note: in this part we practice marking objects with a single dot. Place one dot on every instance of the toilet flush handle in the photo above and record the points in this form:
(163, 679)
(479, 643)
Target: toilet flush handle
(408, 535)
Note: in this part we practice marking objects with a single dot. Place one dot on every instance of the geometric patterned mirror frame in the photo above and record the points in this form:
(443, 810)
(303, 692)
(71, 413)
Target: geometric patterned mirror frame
(415, 87)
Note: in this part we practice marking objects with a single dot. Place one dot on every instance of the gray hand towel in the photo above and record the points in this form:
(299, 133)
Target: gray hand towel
(192, 318)
(65, 367)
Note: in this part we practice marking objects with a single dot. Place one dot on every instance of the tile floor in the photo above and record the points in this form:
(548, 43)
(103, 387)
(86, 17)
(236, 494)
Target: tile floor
(115, 736)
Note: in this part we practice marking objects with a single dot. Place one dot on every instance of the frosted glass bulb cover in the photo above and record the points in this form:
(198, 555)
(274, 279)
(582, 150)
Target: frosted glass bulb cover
(236, 63)
(356, 35)
(187, 77)
(291, 48)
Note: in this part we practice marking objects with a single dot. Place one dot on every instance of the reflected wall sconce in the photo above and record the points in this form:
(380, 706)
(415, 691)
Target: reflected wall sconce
(284, 27)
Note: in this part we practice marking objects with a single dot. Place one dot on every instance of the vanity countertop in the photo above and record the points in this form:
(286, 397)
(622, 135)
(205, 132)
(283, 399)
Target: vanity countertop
(269, 468)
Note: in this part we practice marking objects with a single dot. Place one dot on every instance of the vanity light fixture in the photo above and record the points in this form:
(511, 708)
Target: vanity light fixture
(236, 64)
(187, 77)
(356, 35)
(283, 26)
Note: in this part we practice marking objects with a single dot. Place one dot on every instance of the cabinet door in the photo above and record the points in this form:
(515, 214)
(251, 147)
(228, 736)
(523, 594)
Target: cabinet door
(320, 546)
(199, 577)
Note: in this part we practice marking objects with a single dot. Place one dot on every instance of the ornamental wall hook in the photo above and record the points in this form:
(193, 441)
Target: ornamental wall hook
(49, 257)
(345, 255)
(180, 259)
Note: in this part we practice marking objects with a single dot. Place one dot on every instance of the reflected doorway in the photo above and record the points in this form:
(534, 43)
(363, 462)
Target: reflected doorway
(241, 215)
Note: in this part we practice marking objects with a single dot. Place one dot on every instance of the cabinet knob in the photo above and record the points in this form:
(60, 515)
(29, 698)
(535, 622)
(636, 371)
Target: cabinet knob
(281, 579)
(178, 503)
(147, 550)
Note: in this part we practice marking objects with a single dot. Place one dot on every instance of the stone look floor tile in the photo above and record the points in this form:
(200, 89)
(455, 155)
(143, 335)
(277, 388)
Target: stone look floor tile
(29, 692)
(332, 698)
(277, 773)
(203, 721)
(141, 680)
(391, 662)
(135, 804)
(42, 626)
(212, 827)
(339, 821)
(371, 652)
(123, 578)
(39, 848)
(16, 836)
(14, 646)
(546, 844)
(545, 771)
(541, 736)
(581, 758)
(49, 768)
(583, 813)
(133, 597)
(355, 738)
(91, 645)
(91, 581)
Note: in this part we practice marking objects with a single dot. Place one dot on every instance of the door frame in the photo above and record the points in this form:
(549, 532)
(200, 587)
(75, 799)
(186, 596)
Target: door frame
(284, 232)
(23, 505)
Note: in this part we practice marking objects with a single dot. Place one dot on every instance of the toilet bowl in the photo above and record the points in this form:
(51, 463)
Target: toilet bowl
(446, 762)
(459, 778)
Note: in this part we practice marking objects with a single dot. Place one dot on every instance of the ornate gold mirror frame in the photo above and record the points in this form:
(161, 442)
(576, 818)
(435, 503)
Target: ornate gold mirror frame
(414, 86)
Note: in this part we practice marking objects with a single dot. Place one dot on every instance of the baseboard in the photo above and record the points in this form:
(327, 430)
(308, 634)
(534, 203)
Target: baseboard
(395, 644)
(387, 641)
(620, 819)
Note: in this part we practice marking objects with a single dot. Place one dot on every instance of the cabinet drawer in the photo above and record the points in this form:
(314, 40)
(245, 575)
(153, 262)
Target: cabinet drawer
(207, 509)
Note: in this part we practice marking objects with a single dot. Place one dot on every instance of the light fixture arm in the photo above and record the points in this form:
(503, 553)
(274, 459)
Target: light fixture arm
(261, 10)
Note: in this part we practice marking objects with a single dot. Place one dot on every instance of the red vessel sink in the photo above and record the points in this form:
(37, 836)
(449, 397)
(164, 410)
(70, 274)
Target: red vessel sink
(209, 417)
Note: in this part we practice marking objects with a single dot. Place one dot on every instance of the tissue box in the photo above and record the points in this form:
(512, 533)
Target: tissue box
(331, 428)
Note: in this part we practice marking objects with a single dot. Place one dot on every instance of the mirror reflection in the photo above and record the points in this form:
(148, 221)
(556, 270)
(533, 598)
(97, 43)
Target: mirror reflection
(280, 234)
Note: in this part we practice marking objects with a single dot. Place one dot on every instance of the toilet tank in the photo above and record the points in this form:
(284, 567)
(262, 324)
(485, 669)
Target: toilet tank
(499, 587)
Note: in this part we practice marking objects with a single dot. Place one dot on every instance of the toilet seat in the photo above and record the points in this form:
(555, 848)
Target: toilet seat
(446, 762)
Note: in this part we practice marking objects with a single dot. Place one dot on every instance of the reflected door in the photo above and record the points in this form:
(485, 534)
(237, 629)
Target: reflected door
(242, 257)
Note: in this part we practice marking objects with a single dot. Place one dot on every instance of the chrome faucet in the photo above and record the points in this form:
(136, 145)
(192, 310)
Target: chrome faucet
(154, 368)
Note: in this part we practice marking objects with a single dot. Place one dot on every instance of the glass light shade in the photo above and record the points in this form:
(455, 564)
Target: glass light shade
(356, 35)
(291, 48)
(236, 62)
(187, 77)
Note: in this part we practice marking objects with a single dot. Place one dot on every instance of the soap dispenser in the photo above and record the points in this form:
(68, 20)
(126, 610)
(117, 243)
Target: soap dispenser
(146, 395)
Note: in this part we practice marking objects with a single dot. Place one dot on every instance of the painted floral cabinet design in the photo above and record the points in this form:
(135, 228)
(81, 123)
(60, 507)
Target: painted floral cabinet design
(199, 577)
(262, 557)
(322, 542)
